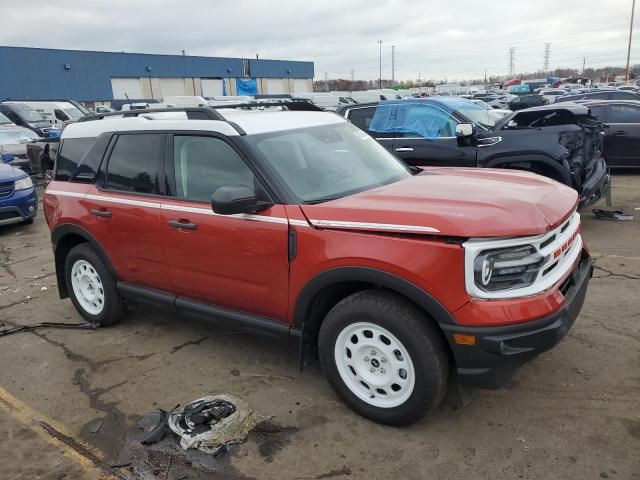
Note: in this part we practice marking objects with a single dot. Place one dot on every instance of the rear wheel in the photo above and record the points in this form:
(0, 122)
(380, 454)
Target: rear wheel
(91, 287)
(383, 358)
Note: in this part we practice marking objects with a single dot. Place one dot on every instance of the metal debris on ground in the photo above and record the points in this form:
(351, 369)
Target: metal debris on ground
(214, 422)
(30, 328)
(611, 214)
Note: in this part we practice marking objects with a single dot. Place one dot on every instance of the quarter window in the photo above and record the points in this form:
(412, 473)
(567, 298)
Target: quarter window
(71, 152)
(204, 164)
(135, 163)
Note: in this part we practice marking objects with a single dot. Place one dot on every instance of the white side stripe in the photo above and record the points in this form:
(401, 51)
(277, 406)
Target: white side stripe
(373, 226)
(66, 194)
(259, 218)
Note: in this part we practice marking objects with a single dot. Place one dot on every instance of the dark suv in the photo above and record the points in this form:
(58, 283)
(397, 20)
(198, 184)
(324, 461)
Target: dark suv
(601, 95)
(561, 142)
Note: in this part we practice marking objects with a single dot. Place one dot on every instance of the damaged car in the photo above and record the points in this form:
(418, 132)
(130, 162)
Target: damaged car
(562, 142)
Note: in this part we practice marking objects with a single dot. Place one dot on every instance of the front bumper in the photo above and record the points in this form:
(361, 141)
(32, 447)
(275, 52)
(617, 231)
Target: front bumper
(596, 185)
(500, 351)
(21, 206)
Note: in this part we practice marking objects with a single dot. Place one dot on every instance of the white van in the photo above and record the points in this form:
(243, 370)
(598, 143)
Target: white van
(56, 113)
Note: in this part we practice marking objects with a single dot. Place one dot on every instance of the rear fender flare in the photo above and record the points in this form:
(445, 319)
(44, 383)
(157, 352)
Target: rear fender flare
(58, 236)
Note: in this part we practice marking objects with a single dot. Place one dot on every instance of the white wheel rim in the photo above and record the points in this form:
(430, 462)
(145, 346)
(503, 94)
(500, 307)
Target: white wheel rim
(87, 287)
(374, 365)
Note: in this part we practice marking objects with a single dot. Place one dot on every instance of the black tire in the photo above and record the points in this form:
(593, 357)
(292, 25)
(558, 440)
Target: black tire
(114, 308)
(421, 339)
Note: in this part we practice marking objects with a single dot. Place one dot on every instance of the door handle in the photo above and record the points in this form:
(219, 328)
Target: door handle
(100, 212)
(404, 149)
(619, 133)
(184, 224)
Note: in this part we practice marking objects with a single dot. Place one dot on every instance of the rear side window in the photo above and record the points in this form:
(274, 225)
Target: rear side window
(361, 118)
(135, 163)
(623, 114)
(624, 96)
(71, 152)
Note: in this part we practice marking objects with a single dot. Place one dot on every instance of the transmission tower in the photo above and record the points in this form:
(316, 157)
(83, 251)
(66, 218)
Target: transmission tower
(512, 61)
(547, 57)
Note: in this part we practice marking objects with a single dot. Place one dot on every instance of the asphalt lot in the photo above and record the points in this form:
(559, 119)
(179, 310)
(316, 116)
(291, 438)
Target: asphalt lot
(70, 399)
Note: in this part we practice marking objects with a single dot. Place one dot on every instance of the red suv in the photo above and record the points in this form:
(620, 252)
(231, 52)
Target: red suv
(401, 280)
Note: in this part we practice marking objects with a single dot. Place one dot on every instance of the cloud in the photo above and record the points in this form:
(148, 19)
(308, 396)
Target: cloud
(434, 39)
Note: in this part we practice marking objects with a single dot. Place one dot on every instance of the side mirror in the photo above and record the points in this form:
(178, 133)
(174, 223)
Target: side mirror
(6, 157)
(233, 199)
(464, 130)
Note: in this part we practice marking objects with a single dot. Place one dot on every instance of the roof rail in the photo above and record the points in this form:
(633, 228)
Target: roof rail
(193, 113)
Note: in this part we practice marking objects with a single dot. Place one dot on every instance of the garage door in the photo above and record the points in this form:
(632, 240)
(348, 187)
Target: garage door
(172, 86)
(126, 88)
(212, 87)
(301, 85)
(275, 85)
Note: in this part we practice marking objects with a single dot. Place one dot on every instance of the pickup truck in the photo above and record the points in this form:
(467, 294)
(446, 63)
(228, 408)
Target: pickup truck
(562, 142)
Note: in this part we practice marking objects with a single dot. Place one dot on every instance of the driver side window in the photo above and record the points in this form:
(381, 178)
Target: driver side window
(430, 123)
(204, 164)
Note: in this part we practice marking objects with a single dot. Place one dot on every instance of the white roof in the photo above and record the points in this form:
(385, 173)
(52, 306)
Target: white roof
(251, 121)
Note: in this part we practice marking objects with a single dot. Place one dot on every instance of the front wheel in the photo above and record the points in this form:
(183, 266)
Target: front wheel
(383, 357)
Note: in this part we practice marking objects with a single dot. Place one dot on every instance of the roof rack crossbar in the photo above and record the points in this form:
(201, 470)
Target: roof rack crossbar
(193, 113)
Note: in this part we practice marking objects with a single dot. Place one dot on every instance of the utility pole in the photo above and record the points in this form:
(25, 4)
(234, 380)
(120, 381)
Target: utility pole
(353, 79)
(393, 65)
(633, 9)
(485, 78)
(419, 80)
(512, 61)
(547, 57)
(584, 63)
(380, 71)
(326, 82)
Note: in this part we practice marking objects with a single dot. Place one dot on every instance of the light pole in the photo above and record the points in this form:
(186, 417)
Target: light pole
(633, 9)
(380, 71)
(393, 65)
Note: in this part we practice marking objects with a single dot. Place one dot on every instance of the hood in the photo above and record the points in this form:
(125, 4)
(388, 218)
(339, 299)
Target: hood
(457, 202)
(8, 173)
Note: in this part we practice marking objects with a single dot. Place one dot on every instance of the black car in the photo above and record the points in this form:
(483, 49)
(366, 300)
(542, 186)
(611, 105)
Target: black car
(563, 143)
(26, 117)
(600, 95)
(527, 101)
(622, 133)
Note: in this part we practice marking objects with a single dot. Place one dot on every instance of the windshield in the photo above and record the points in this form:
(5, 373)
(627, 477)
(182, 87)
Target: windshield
(21, 135)
(480, 116)
(27, 113)
(329, 161)
(73, 112)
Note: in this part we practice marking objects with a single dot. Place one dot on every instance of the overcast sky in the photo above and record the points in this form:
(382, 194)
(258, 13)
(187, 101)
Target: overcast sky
(436, 39)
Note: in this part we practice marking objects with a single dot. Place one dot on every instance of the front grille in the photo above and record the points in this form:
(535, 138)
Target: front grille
(8, 215)
(6, 189)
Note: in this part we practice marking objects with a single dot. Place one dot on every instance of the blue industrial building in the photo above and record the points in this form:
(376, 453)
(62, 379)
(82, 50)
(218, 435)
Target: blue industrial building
(40, 73)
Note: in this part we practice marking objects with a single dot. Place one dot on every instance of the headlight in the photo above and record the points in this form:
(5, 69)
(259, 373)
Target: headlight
(24, 184)
(506, 269)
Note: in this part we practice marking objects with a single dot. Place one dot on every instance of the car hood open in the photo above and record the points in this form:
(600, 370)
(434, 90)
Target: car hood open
(455, 202)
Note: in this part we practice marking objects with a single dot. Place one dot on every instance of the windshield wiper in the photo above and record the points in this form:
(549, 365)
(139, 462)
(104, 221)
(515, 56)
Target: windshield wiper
(322, 200)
